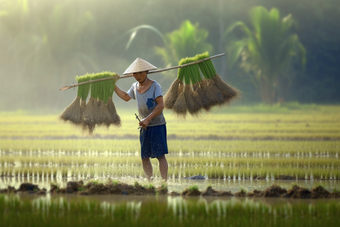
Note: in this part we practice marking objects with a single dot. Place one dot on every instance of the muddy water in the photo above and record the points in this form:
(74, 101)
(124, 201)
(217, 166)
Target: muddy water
(179, 185)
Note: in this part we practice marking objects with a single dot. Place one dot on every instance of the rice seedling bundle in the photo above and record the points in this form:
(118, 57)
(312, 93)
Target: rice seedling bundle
(190, 93)
(100, 109)
(74, 112)
(111, 106)
(217, 88)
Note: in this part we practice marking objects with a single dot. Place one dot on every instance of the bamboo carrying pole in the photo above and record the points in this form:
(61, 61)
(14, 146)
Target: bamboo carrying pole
(150, 72)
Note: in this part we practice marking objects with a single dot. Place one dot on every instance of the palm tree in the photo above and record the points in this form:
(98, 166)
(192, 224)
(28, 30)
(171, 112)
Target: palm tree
(266, 51)
(188, 40)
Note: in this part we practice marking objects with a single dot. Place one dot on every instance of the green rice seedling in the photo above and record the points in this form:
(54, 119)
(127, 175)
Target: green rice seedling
(193, 188)
(336, 191)
(243, 190)
(151, 187)
(238, 126)
(111, 106)
(136, 184)
(115, 182)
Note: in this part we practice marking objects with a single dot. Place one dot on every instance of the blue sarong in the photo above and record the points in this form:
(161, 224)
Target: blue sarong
(153, 141)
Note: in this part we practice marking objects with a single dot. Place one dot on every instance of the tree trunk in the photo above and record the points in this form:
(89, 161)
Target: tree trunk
(267, 91)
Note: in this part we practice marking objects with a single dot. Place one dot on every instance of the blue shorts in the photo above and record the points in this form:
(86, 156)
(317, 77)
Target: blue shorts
(153, 142)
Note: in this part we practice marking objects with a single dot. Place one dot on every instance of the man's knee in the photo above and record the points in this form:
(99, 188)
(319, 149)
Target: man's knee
(161, 158)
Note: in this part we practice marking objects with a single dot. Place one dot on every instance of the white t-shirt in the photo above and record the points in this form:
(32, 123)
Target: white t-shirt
(146, 102)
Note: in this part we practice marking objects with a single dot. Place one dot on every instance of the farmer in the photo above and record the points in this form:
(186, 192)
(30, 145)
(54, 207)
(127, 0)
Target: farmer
(148, 94)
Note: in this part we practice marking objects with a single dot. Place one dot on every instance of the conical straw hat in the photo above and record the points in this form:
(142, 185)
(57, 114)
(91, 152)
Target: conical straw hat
(139, 65)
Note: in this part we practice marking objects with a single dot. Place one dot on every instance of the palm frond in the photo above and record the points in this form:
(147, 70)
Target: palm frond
(133, 32)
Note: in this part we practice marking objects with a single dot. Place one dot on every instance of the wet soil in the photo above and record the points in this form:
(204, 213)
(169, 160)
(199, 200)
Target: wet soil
(117, 188)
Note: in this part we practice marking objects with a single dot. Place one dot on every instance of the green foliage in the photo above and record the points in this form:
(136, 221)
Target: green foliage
(44, 45)
(267, 51)
(133, 32)
(186, 41)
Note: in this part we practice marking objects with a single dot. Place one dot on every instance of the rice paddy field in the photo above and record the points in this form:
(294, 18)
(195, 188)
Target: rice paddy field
(233, 148)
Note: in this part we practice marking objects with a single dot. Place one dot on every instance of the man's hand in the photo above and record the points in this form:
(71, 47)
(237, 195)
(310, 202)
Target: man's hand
(144, 123)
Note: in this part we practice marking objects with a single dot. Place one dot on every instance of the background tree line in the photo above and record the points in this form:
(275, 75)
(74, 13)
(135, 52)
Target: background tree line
(44, 44)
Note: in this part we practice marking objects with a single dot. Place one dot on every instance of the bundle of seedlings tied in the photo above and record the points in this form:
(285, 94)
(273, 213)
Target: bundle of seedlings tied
(216, 89)
(188, 99)
(185, 95)
(111, 106)
(190, 93)
(74, 112)
(100, 109)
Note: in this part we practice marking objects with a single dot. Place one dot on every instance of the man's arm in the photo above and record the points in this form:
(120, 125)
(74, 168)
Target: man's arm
(157, 111)
(122, 94)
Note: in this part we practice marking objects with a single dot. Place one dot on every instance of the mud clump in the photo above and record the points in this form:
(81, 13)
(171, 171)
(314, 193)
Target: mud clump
(211, 192)
(255, 193)
(320, 192)
(241, 193)
(120, 188)
(273, 191)
(141, 190)
(98, 189)
(191, 192)
(9, 189)
(28, 187)
(335, 194)
(162, 190)
(54, 188)
(71, 187)
(74, 186)
(113, 187)
(297, 192)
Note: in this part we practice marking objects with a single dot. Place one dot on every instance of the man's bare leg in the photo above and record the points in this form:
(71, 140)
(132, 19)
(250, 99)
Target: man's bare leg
(163, 167)
(147, 167)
